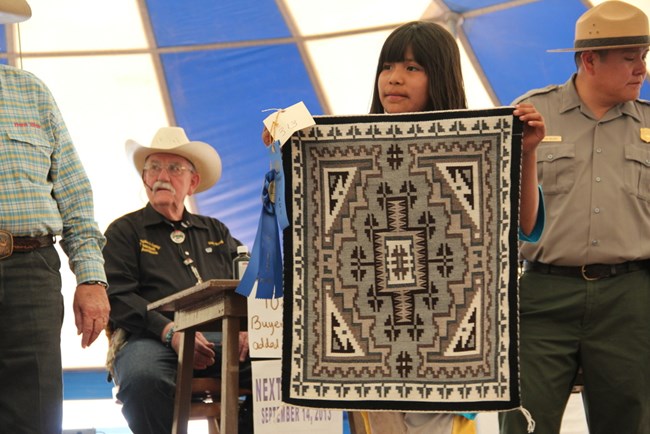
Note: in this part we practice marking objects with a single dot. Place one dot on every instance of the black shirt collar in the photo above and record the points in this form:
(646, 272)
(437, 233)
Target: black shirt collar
(153, 217)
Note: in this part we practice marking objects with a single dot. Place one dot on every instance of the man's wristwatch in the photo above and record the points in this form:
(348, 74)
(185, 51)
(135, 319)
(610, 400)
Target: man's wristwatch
(96, 282)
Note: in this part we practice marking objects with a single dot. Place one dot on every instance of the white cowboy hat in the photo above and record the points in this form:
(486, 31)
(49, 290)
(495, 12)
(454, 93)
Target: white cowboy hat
(611, 24)
(14, 11)
(172, 140)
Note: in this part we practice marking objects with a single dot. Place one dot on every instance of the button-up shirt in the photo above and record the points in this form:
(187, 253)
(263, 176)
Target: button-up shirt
(43, 186)
(595, 174)
(144, 264)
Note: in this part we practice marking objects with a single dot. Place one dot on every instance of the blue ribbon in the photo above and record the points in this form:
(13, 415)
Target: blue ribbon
(265, 266)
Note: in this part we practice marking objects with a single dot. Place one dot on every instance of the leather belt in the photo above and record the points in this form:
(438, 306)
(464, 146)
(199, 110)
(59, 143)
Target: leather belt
(10, 244)
(28, 244)
(588, 272)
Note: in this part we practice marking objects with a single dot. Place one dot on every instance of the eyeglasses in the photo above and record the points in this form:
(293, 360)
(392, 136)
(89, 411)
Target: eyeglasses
(154, 168)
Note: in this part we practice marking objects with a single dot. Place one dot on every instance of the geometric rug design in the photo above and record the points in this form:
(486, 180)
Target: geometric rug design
(401, 260)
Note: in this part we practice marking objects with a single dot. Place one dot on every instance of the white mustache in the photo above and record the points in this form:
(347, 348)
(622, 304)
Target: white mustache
(164, 185)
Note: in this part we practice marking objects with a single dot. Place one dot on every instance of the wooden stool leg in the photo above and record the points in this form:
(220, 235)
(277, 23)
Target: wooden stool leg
(184, 383)
(356, 422)
(230, 375)
(213, 425)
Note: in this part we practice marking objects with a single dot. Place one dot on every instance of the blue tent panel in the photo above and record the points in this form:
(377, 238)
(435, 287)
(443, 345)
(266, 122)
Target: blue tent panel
(209, 21)
(3, 39)
(522, 63)
(462, 6)
(219, 97)
(86, 384)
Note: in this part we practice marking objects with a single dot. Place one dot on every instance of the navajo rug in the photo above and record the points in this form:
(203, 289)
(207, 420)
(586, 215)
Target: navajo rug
(400, 262)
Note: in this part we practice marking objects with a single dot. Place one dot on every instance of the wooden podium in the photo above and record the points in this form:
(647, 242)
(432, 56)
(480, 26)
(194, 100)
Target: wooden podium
(211, 305)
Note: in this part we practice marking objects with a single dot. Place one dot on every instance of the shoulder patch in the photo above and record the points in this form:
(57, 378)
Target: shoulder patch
(533, 92)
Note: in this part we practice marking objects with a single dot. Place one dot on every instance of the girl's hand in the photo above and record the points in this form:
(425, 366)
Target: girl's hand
(534, 127)
(266, 137)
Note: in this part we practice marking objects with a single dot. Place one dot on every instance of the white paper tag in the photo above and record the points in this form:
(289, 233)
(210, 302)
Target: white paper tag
(283, 123)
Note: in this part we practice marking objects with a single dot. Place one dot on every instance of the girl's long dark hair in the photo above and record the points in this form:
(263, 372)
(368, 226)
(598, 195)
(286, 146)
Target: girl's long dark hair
(435, 49)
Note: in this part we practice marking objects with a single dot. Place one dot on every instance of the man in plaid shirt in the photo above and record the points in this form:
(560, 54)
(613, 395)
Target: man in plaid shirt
(44, 193)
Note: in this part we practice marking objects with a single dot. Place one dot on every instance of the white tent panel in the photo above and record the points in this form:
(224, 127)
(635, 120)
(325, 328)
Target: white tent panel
(322, 17)
(56, 26)
(349, 79)
(106, 100)
(477, 96)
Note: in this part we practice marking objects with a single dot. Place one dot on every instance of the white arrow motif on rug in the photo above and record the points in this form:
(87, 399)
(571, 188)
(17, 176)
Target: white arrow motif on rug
(338, 184)
(467, 340)
(464, 182)
(340, 341)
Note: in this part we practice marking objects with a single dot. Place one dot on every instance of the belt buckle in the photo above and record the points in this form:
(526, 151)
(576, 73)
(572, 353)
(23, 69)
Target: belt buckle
(6, 244)
(583, 271)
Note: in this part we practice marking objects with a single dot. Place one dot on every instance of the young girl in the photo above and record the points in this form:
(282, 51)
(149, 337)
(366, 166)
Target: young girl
(419, 70)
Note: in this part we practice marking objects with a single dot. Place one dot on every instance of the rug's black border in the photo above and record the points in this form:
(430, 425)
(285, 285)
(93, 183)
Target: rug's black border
(513, 301)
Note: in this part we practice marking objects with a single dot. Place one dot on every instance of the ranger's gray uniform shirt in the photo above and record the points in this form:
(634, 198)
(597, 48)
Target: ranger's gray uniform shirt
(595, 175)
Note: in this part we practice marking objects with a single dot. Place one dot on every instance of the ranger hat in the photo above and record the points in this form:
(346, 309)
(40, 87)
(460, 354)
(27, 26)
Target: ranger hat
(611, 24)
(14, 11)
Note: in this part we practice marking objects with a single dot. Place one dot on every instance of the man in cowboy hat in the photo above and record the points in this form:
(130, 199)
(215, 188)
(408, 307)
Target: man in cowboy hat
(44, 193)
(585, 292)
(155, 252)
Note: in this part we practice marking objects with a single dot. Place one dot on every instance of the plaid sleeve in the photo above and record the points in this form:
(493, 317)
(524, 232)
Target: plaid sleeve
(82, 240)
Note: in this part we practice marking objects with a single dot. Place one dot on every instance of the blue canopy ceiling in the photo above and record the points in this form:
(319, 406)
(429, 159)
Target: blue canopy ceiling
(248, 62)
(510, 45)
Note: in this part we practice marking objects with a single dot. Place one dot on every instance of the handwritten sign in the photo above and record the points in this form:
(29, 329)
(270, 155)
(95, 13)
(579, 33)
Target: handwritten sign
(265, 327)
(272, 416)
(283, 123)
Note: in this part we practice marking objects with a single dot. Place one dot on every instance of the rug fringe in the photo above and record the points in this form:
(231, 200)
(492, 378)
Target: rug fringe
(529, 419)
